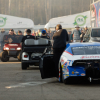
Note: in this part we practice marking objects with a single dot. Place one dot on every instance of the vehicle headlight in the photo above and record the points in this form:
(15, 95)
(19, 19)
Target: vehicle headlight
(18, 48)
(6, 48)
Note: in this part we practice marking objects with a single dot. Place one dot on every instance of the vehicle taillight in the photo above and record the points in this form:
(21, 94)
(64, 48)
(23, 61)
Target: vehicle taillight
(25, 56)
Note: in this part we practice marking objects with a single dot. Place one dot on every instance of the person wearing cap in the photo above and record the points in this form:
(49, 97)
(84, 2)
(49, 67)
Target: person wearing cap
(87, 32)
(2, 33)
(44, 35)
(27, 36)
(76, 34)
(11, 32)
(60, 38)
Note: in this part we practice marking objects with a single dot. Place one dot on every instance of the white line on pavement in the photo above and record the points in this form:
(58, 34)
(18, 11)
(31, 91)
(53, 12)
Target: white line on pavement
(25, 84)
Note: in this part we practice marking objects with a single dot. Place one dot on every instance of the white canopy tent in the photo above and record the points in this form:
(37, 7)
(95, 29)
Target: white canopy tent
(70, 21)
(11, 22)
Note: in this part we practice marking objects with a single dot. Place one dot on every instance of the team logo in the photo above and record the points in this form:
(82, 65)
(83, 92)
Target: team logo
(2, 21)
(80, 20)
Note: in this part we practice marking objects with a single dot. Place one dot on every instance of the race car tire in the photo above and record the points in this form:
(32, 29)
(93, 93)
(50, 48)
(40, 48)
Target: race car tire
(60, 74)
(66, 81)
(4, 57)
(24, 66)
(62, 77)
(19, 56)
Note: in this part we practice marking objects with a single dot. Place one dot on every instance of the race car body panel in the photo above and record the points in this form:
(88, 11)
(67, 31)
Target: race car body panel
(76, 63)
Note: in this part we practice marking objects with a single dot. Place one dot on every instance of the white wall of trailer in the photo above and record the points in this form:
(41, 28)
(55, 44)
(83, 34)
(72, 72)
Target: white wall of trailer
(70, 21)
(8, 22)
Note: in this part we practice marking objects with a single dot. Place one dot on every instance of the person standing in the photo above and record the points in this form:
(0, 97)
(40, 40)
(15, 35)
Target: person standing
(39, 33)
(60, 37)
(82, 35)
(33, 34)
(76, 34)
(86, 36)
(69, 35)
(2, 33)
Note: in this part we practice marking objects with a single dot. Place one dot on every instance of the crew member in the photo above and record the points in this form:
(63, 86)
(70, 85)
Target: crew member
(60, 37)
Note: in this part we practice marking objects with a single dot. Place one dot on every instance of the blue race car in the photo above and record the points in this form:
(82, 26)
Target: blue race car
(79, 60)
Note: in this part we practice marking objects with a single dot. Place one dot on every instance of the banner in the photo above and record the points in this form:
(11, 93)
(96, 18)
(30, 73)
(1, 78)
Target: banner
(95, 14)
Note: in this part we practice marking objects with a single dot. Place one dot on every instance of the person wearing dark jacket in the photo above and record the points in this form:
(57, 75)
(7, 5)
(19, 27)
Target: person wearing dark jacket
(44, 35)
(60, 38)
(28, 36)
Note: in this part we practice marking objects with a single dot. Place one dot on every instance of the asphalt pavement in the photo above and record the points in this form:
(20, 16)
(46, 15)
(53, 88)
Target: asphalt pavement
(18, 84)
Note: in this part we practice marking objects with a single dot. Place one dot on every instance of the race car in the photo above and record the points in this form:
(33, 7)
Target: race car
(78, 61)
(12, 47)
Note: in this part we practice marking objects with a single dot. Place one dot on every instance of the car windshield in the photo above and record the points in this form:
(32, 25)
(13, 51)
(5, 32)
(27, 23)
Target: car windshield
(95, 33)
(12, 38)
(87, 50)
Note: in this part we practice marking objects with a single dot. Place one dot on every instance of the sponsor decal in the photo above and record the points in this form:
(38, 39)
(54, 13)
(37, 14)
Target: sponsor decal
(87, 57)
(68, 53)
(10, 40)
(62, 60)
(64, 76)
(67, 73)
(73, 75)
(82, 74)
(80, 20)
(76, 72)
(72, 72)
(67, 63)
(2, 21)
